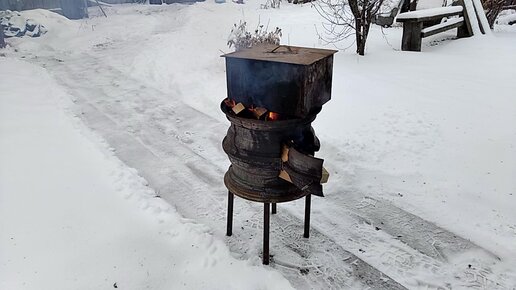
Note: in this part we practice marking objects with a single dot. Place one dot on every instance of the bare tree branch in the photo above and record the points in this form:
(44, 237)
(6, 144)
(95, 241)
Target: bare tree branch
(344, 18)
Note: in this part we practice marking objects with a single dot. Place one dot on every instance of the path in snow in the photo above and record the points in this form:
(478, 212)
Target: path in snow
(356, 240)
(177, 149)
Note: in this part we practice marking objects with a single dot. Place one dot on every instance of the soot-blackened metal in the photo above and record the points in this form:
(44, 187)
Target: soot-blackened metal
(294, 82)
(254, 148)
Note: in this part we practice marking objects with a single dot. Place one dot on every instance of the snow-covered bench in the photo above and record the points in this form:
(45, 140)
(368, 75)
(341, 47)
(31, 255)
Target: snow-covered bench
(414, 28)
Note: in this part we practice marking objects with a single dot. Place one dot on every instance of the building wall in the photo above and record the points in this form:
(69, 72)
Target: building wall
(18, 5)
(46, 4)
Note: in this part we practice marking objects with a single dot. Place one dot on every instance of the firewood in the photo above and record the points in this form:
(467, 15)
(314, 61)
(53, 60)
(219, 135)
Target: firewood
(325, 175)
(258, 112)
(238, 108)
(284, 153)
(284, 175)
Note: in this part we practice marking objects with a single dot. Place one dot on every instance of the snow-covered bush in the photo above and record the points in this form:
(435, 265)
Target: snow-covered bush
(507, 17)
(15, 24)
(240, 38)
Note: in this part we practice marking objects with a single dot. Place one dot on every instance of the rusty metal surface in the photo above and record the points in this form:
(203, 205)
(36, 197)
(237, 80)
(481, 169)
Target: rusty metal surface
(282, 54)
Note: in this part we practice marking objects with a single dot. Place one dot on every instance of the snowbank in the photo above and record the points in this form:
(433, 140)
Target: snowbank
(16, 25)
(72, 216)
(431, 133)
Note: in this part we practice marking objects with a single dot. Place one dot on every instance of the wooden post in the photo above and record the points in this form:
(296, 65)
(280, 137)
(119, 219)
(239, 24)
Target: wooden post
(229, 229)
(266, 225)
(411, 40)
(274, 208)
(465, 30)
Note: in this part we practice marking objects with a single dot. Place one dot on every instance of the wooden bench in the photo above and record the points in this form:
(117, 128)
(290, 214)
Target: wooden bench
(420, 24)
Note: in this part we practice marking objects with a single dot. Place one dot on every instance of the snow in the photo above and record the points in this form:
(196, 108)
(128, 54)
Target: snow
(469, 5)
(427, 134)
(72, 216)
(428, 4)
(449, 22)
(506, 19)
(430, 12)
(481, 16)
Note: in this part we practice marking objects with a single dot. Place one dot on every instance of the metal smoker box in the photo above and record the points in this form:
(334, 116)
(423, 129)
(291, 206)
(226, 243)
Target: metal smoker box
(293, 81)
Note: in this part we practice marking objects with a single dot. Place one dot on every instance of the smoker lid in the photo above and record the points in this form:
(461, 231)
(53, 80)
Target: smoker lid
(283, 54)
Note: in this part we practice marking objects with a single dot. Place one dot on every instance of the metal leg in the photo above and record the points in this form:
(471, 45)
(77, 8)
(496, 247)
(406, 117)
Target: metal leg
(274, 208)
(266, 223)
(308, 202)
(231, 197)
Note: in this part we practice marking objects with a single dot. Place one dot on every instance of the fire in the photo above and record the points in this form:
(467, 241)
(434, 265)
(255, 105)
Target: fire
(252, 111)
(273, 116)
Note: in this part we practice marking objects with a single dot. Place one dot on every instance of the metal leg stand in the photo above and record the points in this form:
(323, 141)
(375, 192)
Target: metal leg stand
(274, 208)
(231, 198)
(266, 223)
(308, 202)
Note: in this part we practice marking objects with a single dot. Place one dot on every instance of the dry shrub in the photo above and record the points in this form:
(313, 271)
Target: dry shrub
(240, 38)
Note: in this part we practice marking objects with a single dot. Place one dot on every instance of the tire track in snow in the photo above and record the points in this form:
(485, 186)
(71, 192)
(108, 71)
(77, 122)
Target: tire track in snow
(149, 147)
(153, 133)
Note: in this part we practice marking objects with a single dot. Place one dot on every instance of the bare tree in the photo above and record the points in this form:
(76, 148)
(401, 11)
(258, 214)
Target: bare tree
(343, 17)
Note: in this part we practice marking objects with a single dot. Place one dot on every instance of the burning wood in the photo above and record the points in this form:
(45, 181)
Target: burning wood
(258, 113)
(273, 116)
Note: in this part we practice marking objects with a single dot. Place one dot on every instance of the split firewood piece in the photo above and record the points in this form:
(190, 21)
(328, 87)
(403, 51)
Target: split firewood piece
(309, 166)
(238, 108)
(229, 102)
(284, 175)
(325, 175)
(284, 153)
(258, 112)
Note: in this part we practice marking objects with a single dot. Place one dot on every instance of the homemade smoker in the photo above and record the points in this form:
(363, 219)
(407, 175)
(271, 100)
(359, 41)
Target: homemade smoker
(274, 94)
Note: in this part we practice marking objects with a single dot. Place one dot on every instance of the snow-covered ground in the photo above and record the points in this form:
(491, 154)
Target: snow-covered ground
(421, 148)
(72, 216)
